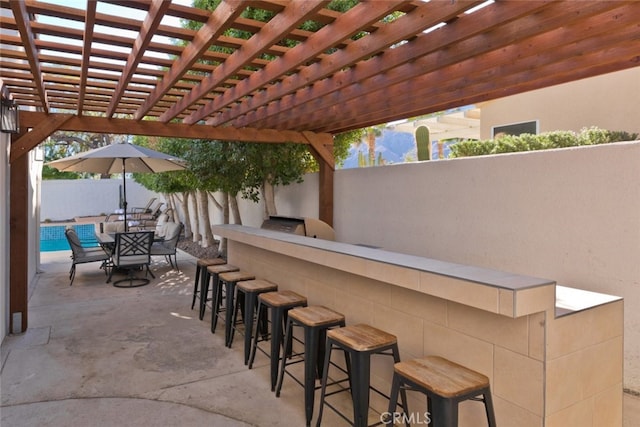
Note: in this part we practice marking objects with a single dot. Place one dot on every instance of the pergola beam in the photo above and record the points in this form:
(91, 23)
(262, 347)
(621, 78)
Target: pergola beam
(321, 41)
(418, 20)
(151, 23)
(295, 13)
(176, 130)
(90, 20)
(218, 22)
(430, 53)
(41, 130)
(23, 23)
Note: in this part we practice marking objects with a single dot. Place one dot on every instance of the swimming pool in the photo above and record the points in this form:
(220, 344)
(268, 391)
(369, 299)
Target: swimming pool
(52, 237)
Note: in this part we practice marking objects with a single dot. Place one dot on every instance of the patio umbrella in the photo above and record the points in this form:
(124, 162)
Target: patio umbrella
(120, 158)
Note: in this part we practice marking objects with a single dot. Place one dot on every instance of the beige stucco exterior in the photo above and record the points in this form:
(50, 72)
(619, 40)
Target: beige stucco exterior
(610, 101)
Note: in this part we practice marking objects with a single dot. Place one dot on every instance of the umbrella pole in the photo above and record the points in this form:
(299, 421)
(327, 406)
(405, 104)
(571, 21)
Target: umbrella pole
(124, 195)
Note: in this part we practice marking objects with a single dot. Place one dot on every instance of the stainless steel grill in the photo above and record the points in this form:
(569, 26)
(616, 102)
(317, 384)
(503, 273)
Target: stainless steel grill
(309, 227)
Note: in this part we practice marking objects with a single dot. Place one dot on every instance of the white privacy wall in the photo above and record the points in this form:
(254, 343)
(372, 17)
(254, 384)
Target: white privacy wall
(65, 199)
(570, 215)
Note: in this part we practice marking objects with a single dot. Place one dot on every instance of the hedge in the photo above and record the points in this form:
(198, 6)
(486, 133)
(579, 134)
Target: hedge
(544, 141)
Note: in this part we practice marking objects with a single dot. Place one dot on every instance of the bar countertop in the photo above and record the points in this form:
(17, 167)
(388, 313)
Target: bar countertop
(497, 291)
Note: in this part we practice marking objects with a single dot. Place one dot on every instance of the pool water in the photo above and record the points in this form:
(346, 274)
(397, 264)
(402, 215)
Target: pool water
(52, 237)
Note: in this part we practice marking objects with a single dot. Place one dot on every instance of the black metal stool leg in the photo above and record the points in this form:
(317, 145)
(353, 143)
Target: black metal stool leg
(323, 387)
(393, 400)
(311, 341)
(204, 293)
(250, 300)
(216, 303)
(276, 343)
(195, 286)
(256, 336)
(488, 407)
(360, 392)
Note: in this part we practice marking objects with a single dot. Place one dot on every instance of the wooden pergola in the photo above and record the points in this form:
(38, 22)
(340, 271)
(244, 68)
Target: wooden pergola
(93, 66)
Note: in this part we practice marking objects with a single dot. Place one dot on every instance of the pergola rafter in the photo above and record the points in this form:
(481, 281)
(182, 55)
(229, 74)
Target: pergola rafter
(330, 82)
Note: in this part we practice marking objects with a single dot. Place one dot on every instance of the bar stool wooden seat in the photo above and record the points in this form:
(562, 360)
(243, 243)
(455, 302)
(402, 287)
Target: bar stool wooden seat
(446, 384)
(213, 280)
(278, 303)
(229, 280)
(201, 270)
(246, 298)
(359, 342)
(315, 321)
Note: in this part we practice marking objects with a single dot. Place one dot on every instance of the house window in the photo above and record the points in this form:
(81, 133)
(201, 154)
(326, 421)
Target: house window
(515, 129)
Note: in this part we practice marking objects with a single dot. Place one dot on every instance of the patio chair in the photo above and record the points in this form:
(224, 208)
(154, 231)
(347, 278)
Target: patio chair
(156, 223)
(82, 255)
(152, 214)
(147, 208)
(169, 245)
(132, 252)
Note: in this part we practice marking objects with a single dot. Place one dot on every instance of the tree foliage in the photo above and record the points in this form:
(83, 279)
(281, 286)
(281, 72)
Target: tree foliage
(63, 144)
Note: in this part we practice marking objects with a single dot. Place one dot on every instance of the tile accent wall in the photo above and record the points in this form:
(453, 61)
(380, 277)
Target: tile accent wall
(526, 358)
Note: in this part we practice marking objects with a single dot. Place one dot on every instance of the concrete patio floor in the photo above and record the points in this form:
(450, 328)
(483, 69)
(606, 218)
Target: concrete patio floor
(96, 355)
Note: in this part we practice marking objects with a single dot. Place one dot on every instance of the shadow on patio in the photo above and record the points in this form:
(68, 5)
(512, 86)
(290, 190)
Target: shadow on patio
(99, 355)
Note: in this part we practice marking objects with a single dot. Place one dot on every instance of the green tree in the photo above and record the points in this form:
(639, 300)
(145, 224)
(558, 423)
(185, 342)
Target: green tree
(63, 144)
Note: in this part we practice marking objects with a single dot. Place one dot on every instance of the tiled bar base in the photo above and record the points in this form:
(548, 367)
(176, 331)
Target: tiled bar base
(547, 367)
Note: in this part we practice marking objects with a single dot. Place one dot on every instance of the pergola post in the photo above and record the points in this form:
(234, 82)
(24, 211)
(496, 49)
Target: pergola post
(321, 146)
(19, 243)
(325, 188)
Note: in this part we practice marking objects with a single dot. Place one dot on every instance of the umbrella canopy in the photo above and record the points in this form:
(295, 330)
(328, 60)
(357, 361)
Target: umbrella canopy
(108, 160)
(120, 158)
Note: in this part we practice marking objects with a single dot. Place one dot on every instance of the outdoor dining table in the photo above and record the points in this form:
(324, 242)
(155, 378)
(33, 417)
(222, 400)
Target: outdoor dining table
(106, 239)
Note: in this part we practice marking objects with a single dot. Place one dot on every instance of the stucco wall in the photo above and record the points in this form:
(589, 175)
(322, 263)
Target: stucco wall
(65, 199)
(571, 215)
(610, 102)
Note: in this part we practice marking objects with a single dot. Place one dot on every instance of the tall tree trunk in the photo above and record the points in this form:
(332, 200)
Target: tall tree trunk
(196, 220)
(215, 201)
(269, 197)
(186, 212)
(225, 220)
(235, 210)
(203, 215)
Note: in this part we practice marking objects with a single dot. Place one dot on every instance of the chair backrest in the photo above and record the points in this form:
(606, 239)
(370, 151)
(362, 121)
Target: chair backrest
(74, 242)
(156, 210)
(113, 227)
(133, 248)
(153, 199)
(172, 234)
(161, 224)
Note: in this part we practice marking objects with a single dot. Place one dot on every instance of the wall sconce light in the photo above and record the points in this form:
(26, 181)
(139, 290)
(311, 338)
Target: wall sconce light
(9, 116)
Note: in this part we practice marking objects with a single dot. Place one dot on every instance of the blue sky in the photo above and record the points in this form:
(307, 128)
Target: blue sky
(109, 9)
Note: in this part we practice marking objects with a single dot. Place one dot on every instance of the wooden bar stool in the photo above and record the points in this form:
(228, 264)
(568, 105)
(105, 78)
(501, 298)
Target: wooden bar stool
(278, 304)
(315, 321)
(248, 292)
(213, 279)
(229, 281)
(201, 270)
(446, 384)
(359, 342)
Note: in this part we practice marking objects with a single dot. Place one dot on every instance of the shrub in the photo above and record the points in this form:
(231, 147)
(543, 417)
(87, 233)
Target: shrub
(548, 140)
(472, 148)
(560, 139)
(594, 135)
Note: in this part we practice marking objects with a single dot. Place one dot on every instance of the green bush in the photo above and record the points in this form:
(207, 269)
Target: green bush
(472, 148)
(548, 140)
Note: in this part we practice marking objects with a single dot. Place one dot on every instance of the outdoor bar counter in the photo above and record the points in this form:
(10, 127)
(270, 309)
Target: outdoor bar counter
(553, 354)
